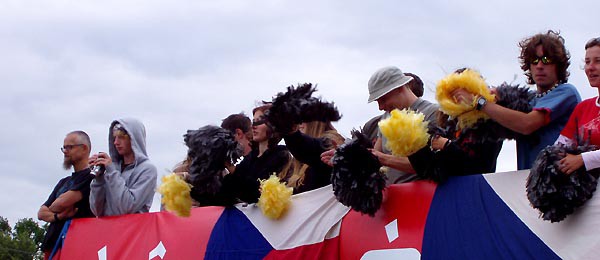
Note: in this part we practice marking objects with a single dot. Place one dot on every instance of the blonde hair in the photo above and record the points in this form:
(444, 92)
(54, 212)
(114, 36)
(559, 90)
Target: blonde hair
(315, 129)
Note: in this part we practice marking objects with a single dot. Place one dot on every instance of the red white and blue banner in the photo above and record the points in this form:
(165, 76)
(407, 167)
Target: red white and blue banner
(469, 217)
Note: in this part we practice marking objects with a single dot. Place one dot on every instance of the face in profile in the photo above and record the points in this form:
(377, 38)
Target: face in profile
(259, 128)
(73, 151)
(244, 140)
(386, 102)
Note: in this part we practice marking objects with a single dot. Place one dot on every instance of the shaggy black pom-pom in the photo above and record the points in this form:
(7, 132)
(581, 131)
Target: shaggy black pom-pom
(510, 96)
(555, 194)
(514, 97)
(356, 179)
(297, 106)
(210, 147)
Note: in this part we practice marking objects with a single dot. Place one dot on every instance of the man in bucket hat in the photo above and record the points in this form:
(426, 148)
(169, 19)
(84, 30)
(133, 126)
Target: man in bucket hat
(390, 88)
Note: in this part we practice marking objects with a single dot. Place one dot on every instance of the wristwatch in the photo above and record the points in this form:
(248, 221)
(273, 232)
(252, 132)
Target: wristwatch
(481, 101)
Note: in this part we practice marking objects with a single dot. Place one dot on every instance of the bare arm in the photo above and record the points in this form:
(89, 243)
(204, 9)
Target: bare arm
(396, 162)
(523, 123)
(66, 200)
(45, 214)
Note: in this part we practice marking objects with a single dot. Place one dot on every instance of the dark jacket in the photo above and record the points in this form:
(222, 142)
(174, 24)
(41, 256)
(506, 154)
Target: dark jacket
(243, 182)
(466, 155)
(308, 150)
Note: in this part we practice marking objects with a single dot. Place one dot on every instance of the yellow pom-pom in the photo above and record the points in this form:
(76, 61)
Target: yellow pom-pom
(275, 197)
(176, 195)
(406, 132)
(470, 81)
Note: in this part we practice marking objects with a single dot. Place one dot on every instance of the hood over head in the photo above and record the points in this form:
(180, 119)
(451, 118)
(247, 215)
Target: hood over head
(137, 134)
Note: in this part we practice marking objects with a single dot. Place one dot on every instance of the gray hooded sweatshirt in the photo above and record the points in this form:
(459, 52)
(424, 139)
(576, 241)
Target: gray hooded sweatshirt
(130, 191)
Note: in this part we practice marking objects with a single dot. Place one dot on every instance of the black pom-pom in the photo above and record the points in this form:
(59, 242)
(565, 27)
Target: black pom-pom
(514, 97)
(510, 96)
(210, 147)
(297, 106)
(554, 193)
(318, 110)
(356, 179)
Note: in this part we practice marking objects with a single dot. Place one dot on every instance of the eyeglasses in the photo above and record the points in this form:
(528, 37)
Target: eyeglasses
(68, 147)
(259, 122)
(544, 59)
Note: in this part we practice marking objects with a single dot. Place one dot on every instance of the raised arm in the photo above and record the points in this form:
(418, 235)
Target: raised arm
(523, 123)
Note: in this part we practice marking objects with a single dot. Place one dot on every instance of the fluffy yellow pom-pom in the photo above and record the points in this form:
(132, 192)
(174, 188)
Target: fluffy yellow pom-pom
(176, 195)
(406, 132)
(275, 197)
(470, 81)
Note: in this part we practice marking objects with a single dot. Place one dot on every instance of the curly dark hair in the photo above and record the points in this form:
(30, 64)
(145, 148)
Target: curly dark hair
(554, 47)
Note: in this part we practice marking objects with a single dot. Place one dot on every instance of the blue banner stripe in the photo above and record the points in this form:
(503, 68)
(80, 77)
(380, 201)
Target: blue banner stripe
(234, 237)
(467, 220)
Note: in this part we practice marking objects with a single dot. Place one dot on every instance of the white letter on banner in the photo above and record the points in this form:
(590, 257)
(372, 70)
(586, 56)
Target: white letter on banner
(159, 250)
(391, 230)
(102, 253)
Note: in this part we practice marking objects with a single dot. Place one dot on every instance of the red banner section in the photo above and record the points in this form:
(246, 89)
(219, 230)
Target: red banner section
(399, 223)
(160, 235)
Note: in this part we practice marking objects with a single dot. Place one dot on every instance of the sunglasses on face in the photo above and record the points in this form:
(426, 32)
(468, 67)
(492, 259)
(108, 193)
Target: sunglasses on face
(544, 59)
(258, 122)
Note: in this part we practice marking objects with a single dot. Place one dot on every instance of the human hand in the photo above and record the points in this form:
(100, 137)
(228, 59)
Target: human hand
(100, 159)
(438, 143)
(570, 163)
(183, 175)
(327, 156)
(67, 213)
(92, 159)
(462, 96)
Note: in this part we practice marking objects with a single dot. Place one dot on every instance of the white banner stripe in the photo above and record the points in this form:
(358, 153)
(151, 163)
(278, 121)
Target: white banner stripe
(312, 217)
(576, 237)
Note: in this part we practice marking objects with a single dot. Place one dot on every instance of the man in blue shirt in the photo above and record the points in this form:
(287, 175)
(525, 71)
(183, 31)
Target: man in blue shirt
(545, 60)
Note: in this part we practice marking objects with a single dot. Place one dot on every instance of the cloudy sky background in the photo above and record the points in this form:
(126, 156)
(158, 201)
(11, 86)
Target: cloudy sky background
(178, 65)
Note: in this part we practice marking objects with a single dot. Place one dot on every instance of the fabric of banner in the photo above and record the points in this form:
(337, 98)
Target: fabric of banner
(468, 217)
(134, 236)
(576, 237)
(467, 220)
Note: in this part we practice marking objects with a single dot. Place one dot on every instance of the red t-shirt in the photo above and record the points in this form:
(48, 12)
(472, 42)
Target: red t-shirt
(584, 121)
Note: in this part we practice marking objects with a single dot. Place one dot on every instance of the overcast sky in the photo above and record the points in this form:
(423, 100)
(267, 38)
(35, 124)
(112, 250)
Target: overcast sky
(178, 65)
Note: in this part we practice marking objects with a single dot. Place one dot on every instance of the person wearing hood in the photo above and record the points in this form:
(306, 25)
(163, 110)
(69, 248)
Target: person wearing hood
(128, 181)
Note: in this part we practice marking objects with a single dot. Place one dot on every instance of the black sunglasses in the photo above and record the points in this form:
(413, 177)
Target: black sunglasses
(544, 59)
(258, 122)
